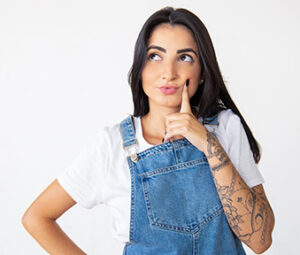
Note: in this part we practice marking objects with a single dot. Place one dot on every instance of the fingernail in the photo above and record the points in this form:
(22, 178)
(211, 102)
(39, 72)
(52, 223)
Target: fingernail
(163, 140)
(187, 82)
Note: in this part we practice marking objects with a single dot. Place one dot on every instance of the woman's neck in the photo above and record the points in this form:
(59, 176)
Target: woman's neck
(154, 125)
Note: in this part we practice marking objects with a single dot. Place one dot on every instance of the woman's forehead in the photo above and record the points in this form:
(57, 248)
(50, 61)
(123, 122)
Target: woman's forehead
(166, 35)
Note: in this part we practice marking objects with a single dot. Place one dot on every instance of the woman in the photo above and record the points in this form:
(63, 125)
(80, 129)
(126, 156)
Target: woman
(179, 175)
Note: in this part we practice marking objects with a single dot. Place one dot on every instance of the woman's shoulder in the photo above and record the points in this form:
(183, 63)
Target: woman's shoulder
(228, 118)
(111, 133)
(105, 135)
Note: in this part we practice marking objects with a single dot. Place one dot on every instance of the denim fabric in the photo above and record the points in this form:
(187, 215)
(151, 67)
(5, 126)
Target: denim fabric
(175, 207)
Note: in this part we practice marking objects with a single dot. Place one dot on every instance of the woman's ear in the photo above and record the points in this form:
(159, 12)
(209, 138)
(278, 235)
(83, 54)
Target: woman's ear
(201, 79)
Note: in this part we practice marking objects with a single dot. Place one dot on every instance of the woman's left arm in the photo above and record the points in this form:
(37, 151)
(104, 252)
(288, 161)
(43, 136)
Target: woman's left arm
(248, 211)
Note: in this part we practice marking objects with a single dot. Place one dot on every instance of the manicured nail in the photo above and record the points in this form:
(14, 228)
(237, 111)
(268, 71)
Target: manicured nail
(187, 82)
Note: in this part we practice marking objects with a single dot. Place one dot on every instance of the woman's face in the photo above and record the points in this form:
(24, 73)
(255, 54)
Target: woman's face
(172, 58)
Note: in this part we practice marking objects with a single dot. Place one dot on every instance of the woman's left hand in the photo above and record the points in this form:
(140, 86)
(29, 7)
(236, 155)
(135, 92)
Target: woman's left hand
(185, 124)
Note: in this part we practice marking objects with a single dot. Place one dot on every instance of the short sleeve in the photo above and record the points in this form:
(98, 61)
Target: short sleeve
(240, 152)
(84, 178)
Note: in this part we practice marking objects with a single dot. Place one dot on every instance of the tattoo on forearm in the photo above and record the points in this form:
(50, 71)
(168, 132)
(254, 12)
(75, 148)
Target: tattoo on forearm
(214, 149)
(256, 210)
(254, 206)
(219, 166)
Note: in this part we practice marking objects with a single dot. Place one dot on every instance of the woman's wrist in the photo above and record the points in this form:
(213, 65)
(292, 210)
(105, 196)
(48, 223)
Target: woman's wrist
(214, 152)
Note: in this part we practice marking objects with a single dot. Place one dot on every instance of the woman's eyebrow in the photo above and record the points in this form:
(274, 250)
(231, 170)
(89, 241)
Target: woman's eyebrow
(178, 51)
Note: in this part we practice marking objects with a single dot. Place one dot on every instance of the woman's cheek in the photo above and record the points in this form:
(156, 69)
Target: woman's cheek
(149, 73)
(193, 90)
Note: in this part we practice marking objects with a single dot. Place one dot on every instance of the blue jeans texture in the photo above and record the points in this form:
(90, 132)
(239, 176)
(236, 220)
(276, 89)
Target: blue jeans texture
(175, 207)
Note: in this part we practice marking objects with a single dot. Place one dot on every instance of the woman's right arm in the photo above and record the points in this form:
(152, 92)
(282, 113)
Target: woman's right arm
(40, 220)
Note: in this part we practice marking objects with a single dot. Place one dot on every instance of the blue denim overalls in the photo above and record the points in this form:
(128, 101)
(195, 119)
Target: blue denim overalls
(175, 207)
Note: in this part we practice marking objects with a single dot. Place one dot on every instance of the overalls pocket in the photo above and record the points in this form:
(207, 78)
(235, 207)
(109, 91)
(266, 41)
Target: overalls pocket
(181, 197)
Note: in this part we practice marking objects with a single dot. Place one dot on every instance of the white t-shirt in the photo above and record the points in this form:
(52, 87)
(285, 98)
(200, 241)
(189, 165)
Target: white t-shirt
(100, 174)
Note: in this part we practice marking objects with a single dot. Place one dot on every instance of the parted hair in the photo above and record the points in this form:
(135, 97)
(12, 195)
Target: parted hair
(212, 96)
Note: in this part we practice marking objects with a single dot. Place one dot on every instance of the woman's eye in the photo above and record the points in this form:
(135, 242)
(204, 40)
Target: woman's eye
(154, 56)
(186, 57)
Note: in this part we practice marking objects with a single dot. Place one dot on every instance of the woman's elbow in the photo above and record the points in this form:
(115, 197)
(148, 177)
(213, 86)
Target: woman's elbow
(259, 249)
(28, 220)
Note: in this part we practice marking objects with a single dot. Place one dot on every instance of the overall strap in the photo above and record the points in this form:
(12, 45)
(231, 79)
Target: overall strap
(213, 120)
(130, 142)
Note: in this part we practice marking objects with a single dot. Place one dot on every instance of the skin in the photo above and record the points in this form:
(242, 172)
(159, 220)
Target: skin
(40, 221)
(164, 68)
(247, 210)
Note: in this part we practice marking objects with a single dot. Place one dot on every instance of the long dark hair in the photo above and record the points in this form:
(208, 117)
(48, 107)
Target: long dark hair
(212, 96)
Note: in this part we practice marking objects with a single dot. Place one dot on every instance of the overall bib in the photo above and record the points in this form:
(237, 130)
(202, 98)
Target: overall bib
(175, 207)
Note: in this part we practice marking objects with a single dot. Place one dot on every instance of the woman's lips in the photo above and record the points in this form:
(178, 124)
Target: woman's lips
(168, 90)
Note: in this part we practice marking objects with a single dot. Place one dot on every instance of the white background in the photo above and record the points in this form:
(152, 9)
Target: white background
(63, 75)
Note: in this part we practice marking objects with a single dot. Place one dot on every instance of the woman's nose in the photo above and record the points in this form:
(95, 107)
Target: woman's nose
(169, 71)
